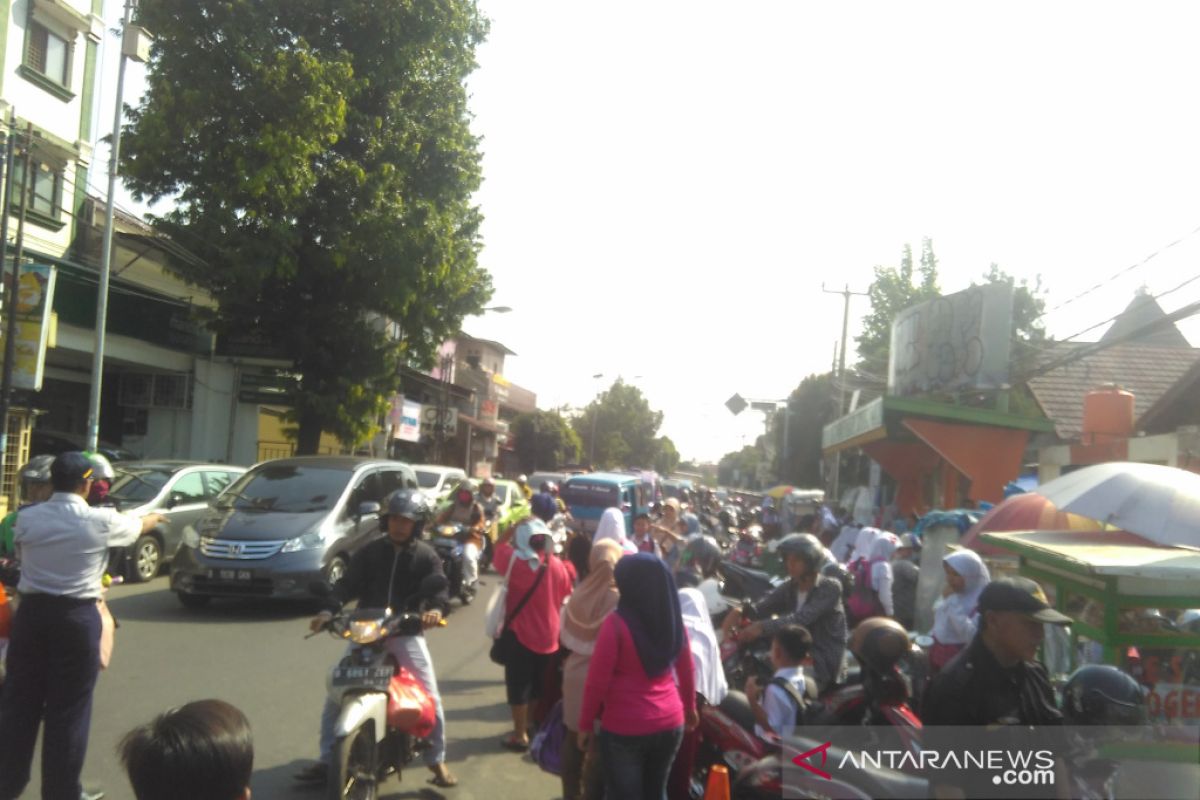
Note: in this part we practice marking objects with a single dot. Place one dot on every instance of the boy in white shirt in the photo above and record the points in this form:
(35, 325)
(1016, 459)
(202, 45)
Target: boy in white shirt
(786, 696)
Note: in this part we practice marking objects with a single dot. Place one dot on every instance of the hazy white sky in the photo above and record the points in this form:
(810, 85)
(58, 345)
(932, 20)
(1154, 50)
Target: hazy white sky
(668, 184)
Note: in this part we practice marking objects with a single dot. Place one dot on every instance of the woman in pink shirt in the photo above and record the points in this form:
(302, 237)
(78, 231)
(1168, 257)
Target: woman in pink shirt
(536, 624)
(640, 682)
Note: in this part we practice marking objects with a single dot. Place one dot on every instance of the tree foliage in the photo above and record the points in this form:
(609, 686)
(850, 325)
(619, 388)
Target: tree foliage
(619, 429)
(812, 405)
(545, 441)
(741, 469)
(893, 290)
(322, 163)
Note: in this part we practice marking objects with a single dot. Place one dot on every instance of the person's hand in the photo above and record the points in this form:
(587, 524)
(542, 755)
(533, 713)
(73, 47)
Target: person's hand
(584, 739)
(752, 690)
(691, 720)
(728, 625)
(430, 619)
(320, 621)
(749, 633)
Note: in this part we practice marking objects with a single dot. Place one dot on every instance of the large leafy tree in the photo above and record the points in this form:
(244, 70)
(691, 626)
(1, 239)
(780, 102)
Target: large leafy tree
(321, 160)
(812, 405)
(742, 468)
(545, 441)
(619, 429)
(894, 289)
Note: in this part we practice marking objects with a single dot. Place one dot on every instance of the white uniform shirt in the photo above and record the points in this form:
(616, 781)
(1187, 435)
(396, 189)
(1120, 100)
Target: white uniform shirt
(781, 710)
(63, 545)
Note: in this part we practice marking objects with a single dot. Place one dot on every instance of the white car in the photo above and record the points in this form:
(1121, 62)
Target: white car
(437, 482)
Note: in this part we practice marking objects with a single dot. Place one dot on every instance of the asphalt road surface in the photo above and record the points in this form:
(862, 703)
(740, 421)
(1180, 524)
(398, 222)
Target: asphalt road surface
(254, 655)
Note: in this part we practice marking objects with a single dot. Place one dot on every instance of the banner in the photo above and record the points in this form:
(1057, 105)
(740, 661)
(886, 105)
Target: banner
(409, 429)
(35, 300)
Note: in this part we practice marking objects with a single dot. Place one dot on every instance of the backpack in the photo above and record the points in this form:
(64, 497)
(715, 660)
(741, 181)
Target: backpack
(798, 699)
(863, 601)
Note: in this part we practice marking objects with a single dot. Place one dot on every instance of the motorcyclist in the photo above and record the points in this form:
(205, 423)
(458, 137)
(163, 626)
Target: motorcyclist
(466, 510)
(809, 598)
(386, 574)
(488, 499)
(34, 480)
(526, 489)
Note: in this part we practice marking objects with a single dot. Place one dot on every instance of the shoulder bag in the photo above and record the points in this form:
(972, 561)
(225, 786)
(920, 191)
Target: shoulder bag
(506, 644)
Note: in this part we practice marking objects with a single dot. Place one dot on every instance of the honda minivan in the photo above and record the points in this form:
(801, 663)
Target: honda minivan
(284, 524)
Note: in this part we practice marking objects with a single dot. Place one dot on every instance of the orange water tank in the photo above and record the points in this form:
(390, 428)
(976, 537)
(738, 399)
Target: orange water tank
(1107, 415)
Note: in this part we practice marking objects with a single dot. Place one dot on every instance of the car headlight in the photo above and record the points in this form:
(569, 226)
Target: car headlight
(191, 538)
(309, 541)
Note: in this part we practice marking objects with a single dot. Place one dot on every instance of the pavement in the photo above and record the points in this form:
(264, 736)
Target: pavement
(253, 654)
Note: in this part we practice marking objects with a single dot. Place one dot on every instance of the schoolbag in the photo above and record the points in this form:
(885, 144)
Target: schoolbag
(863, 601)
(797, 698)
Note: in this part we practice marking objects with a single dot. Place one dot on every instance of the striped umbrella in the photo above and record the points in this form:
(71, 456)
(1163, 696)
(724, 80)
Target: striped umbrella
(1023, 512)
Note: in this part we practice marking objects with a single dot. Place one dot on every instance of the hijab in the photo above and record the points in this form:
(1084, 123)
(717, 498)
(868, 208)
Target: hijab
(593, 599)
(975, 573)
(862, 545)
(649, 606)
(885, 544)
(521, 541)
(706, 652)
(612, 526)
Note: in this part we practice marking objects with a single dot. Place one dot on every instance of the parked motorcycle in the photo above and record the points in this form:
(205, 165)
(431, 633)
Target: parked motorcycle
(448, 540)
(366, 749)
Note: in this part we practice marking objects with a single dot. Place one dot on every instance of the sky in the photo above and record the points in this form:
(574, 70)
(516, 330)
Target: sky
(668, 186)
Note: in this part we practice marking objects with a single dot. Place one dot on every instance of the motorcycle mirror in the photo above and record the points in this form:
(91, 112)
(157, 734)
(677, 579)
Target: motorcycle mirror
(368, 508)
(433, 584)
(320, 588)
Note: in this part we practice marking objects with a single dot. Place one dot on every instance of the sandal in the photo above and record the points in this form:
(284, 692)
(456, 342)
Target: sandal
(443, 779)
(516, 745)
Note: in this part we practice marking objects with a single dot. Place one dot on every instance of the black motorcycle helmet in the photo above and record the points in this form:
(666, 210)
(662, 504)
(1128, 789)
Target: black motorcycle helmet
(804, 545)
(37, 470)
(879, 643)
(409, 503)
(1099, 694)
(702, 554)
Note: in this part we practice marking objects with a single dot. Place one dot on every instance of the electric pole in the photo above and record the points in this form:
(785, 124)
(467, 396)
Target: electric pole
(841, 372)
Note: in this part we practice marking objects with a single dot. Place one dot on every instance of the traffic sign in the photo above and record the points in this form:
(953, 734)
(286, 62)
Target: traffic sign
(736, 404)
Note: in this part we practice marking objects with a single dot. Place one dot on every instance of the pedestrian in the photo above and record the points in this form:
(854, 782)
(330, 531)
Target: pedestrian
(643, 704)
(881, 571)
(612, 526)
(711, 687)
(786, 697)
(843, 545)
(538, 583)
(669, 532)
(54, 648)
(995, 683)
(387, 573)
(954, 620)
(200, 751)
(643, 538)
(905, 574)
(593, 600)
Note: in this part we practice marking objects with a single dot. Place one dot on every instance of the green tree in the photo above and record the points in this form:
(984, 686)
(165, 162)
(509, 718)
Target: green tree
(322, 164)
(892, 291)
(667, 459)
(812, 405)
(741, 468)
(545, 441)
(619, 429)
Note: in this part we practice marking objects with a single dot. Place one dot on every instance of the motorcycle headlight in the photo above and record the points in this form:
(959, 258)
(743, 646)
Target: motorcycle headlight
(364, 631)
(191, 538)
(309, 541)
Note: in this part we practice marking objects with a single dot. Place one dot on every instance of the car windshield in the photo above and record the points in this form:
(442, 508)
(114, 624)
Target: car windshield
(501, 493)
(287, 487)
(137, 486)
(427, 479)
(593, 495)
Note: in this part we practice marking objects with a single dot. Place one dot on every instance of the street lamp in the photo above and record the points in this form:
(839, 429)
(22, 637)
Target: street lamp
(497, 309)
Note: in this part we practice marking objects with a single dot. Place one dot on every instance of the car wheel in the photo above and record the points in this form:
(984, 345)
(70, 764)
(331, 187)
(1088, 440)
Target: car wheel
(335, 570)
(193, 601)
(145, 560)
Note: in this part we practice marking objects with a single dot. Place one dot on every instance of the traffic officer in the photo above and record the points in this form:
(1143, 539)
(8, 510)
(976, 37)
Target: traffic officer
(54, 650)
(995, 683)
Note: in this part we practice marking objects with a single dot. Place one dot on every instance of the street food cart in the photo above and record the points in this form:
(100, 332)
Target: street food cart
(1122, 592)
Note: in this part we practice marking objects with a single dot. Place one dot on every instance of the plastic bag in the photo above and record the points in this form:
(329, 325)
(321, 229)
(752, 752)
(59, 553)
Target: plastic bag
(6, 611)
(547, 744)
(108, 631)
(410, 708)
(493, 616)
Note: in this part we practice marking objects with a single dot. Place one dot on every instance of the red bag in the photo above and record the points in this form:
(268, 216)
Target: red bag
(410, 708)
(5, 613)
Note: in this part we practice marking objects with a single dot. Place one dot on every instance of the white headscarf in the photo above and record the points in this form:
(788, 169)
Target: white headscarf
(844, 542)
(612, 526)
(706, 652)
(881, 572)
(884, 545)
(862, 545)
(954, 616)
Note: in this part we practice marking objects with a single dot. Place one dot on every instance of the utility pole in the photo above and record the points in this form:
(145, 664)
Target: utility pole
(841, 376)
(10, 291)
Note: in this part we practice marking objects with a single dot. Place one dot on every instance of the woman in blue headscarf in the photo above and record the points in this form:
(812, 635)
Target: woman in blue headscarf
(640, 682)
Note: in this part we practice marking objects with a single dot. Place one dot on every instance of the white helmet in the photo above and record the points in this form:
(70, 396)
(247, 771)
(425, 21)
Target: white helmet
(711, 590)
(1189, 620)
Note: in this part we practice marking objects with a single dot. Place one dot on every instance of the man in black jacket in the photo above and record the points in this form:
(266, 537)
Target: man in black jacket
(387, 573)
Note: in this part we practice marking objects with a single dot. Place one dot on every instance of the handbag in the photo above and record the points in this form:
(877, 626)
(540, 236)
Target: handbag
(505, 645)
(493, 617)
(546, 747)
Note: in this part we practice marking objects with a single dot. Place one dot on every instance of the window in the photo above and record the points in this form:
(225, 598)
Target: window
(44, 191)
(368, 490)
(188, 489)
(215, 481)
(392, 479)
(48, 54)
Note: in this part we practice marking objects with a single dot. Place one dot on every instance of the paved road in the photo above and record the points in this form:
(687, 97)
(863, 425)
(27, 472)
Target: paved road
(253, 655)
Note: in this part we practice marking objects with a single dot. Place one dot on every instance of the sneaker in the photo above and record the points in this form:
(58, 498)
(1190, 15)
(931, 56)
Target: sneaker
(86, 795)
(313, 773)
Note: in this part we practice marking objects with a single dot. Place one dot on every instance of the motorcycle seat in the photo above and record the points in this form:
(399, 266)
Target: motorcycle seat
(874, 782)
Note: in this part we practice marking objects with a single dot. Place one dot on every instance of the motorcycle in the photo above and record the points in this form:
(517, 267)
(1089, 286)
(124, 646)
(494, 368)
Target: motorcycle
(366, 749)
(448, 540)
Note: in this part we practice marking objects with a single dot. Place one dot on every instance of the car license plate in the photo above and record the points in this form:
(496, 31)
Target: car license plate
(362, 676)
(231, 574)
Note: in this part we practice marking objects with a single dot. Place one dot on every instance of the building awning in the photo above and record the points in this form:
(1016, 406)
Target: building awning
(988, 455)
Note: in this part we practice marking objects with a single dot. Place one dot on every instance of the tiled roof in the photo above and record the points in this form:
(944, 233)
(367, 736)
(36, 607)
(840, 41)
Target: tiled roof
(1148, 372)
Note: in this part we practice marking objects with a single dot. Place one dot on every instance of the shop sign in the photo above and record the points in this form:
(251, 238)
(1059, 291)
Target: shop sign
(35, 299)
(408, 426)
(854, 424)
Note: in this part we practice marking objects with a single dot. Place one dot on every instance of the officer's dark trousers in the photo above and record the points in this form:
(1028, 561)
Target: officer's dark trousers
(53, 661)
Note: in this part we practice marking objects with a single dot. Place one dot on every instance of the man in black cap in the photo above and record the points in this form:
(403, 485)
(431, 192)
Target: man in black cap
(54, 649)
(995, 684)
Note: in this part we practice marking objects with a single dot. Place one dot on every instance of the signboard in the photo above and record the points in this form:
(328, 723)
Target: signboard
(268, 387)
(960, 341)
(408, 429)
(34, 301)
(736, 404)
(429, 420)
(856, 423)
(488, 410)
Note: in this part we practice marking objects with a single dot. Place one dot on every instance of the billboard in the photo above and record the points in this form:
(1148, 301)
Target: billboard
(959, 341)
(35, 300)
(408, 424)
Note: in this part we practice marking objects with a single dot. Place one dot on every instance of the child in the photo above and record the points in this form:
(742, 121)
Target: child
(642, 537)
(786, 696)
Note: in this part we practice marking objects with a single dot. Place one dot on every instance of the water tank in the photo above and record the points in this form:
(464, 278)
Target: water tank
(1107, 415)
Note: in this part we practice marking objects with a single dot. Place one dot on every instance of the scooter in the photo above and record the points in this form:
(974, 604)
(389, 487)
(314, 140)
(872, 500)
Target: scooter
(448, 542)
(366, 749)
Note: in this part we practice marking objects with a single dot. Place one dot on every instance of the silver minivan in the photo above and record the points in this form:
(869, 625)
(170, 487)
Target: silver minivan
(284, 524)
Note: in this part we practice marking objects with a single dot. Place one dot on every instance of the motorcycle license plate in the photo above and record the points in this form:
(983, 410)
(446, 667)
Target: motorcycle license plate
(375, 677)
(231, 574)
